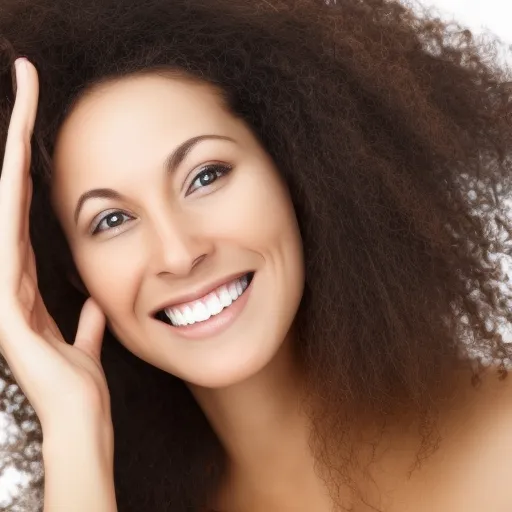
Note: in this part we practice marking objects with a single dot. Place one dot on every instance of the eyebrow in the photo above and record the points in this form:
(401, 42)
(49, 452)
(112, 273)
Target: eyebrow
(170, 165)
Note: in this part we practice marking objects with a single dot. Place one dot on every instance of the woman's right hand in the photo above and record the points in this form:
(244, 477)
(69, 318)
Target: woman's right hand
(63, 382)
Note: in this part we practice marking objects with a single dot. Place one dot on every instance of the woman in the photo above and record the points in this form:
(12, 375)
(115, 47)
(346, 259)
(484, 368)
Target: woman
(282, 212)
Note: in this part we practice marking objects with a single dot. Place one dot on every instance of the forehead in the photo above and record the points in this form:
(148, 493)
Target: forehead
(134, 120)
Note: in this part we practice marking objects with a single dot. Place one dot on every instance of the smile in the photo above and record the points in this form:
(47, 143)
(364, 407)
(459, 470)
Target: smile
(208, 306)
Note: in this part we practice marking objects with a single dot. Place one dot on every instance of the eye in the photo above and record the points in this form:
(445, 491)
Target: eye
(207, 176)
(110, 221)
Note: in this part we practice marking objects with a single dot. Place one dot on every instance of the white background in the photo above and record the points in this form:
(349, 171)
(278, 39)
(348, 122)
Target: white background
(479, 15)
(495, 15)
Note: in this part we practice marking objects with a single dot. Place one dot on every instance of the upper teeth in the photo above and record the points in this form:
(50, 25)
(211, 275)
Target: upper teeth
(209, 305)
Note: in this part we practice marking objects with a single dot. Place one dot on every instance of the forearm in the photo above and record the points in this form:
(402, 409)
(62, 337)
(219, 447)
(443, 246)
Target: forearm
(78, 468)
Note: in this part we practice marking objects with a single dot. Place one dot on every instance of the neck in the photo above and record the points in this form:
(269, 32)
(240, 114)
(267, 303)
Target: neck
(261, 425)
(251, 415)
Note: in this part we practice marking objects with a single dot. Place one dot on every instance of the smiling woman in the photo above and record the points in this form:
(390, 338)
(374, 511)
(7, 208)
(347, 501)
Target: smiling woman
(284, 214)
(176, 226)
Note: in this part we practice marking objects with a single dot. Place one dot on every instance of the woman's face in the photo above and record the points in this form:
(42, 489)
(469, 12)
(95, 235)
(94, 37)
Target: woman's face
(180, 227)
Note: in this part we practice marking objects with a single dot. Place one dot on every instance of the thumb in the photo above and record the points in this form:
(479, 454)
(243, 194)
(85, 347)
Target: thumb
(91, 326)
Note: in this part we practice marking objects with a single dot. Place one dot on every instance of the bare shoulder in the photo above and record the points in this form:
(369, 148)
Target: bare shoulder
(471, 470)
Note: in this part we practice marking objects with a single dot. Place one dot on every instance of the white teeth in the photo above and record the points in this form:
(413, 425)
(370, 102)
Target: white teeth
(179, 316)
(200, 312)
(233, 292)
(189, 316)
(171, 316)
(224, 296)
(212, 305)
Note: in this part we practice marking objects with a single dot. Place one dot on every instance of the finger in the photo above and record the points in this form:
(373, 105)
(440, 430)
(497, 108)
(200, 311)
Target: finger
(13, 181)
(26, 213)
(91, 326)
(31, 262)
(44, 323)
(26, 243)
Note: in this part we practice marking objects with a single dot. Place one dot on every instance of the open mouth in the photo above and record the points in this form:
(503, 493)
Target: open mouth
(208, 306)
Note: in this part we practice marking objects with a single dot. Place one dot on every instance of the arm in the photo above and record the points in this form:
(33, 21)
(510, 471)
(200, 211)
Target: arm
(64, 383)
(79, 467)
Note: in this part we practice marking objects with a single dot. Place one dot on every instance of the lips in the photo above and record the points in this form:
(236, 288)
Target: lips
(200, 308)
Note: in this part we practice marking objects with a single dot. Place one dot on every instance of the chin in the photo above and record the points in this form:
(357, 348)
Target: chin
(229, 372)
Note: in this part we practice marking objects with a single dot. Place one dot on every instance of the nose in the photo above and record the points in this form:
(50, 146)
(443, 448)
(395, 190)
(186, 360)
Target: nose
(177, 247)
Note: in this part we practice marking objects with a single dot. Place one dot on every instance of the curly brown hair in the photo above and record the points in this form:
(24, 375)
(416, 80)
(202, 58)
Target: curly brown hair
(393, 131)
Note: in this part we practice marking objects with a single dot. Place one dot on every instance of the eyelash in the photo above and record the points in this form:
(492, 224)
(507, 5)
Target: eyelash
(218, 170)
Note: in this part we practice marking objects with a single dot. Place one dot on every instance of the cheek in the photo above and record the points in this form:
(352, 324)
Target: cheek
(104, 270)
(258, 212)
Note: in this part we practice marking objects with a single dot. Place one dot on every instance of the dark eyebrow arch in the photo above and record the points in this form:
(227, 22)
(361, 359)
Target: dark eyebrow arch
(170, 165)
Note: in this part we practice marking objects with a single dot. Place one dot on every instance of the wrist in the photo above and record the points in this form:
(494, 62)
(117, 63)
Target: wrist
(79, 467)
(72, 435)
